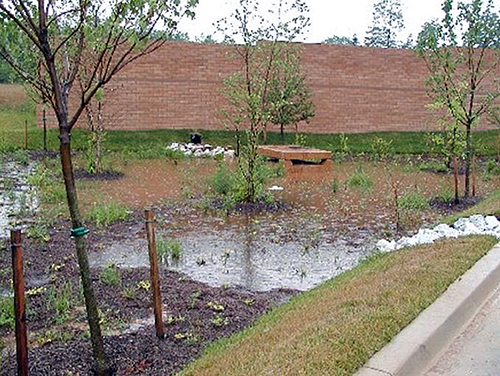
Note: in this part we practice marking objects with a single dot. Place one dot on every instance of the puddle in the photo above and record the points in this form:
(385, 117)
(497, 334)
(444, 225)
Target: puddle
(239, 255)
(17, 198)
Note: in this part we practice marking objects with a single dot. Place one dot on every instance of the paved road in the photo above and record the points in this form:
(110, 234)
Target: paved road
(476, 351)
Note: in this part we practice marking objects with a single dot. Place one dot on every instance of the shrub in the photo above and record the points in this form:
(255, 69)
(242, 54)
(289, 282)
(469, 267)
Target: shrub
(223, 181)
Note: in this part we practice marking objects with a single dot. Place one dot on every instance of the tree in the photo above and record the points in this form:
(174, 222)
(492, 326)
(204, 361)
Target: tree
(347, 41)
(59, 34)
(289, 95)
(463, 70)
(262, 42)
(387, 23)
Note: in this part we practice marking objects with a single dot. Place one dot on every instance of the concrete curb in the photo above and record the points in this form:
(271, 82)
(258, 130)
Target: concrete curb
(416, 346)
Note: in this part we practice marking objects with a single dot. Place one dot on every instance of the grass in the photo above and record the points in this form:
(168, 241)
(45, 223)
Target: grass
(106, 214)
(110, 276)
(360, 179)
(151, 144)
(335, 328)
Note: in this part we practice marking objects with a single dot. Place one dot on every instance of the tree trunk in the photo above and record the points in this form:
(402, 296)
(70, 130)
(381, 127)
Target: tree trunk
(102, 365)
(468, 156)
(99, 140)
(282, 134)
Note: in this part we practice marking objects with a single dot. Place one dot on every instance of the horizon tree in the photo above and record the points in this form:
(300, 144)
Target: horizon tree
(462, 55)
(58, 34)
(387, 23)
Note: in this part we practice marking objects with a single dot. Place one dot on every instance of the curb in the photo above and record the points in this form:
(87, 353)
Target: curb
(417, 345)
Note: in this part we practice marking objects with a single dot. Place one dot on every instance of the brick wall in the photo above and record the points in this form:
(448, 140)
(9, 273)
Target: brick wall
(355, 89)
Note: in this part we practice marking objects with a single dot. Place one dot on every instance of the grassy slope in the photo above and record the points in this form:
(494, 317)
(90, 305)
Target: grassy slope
(336, 327)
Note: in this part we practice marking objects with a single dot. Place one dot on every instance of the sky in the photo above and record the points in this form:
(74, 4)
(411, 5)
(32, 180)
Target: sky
(328, 17)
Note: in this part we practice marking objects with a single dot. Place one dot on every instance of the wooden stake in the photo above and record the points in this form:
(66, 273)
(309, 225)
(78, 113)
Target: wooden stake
(19, 304)
(153, 272)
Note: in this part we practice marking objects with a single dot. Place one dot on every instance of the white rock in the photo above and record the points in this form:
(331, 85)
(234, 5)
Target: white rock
(275, 188)
(470, 229)
(460, 223)
(478, 221)
(406, 242)
(385, 246)
(446, 231)
(491, 222)
(425, 236)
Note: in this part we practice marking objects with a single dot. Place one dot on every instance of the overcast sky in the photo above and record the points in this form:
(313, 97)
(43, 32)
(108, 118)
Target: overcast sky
(328, 17)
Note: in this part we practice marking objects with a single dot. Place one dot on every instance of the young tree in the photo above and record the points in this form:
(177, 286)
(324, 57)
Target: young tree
(289, 95)
(264, 35)
(59, 34)
(387, 23)
(462, 55)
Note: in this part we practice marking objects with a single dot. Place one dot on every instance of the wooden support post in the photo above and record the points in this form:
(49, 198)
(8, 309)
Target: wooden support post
(44, 119)
(19, 304)
(455, 178)
(26, 135)
(153, 272)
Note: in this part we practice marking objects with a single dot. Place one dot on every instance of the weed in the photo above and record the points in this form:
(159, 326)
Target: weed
(219, 320)
(7, 312)
(193, 299)
(344, 148)
(110, 275)
(360, 180)
(223, 181)
(129, 293)
(60, 300)
(413, 201)
(193, 339)
(335, 185)
(106, 214)
(39, 232)
(166, 247)
(381, 148)
(21, 157)
(249, 301)
(446, 195)
(214, 306)
(52, 335)
(144, 285)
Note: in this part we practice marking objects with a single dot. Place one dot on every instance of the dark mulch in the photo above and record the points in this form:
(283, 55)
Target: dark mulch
(451, 207)
(105, 175)
(192, 325)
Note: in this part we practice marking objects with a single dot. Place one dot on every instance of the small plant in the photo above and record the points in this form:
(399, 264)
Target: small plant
(360, 180)
(110, 275)
(193, 339)
(249, 302)
(381, 148)
(193, 299)
(432, 166)
(219, 320)
(215, 306)
(106, 214)
(61, 300)
(166, 247)
(344, 148)
(129, 293)
(446, 195)
(39, 232)
(7, 312)
(223, 181)
(144, 285)
(413, 201)
(21, 157)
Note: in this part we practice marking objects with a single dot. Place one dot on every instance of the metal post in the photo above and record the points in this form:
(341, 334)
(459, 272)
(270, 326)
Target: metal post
(19, 304)
(153, 272)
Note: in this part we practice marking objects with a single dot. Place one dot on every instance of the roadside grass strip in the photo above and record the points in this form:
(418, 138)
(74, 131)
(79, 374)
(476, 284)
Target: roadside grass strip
(335, 328)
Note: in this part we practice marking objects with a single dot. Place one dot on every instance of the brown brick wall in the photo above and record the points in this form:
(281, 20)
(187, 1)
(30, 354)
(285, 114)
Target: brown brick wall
(355, 89)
